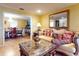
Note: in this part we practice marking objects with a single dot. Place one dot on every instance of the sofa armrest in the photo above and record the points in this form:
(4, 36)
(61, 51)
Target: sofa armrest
(65, 52)
(67, 49)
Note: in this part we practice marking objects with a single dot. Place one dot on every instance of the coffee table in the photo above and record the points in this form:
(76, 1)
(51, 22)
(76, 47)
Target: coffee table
(29, 48)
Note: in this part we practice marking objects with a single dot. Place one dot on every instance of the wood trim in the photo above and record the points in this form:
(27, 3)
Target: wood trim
(68, 14)
(60, 12)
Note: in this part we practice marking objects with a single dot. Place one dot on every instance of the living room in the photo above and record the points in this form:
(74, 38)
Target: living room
(42, 26)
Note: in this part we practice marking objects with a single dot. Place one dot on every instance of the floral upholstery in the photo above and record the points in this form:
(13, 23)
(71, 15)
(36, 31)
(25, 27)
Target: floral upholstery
(60, 35)
(67, 37)
(63, 39)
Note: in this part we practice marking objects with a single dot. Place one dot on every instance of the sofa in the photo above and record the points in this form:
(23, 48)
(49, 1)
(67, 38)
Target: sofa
(65, 40)
(48, 34)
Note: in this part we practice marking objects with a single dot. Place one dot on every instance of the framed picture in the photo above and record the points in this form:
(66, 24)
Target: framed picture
(59, 20)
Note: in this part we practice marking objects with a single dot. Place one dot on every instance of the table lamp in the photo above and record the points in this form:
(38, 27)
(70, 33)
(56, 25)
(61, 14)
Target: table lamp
(38, 25)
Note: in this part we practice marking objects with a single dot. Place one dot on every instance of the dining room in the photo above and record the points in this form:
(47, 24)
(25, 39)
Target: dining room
(16, 26)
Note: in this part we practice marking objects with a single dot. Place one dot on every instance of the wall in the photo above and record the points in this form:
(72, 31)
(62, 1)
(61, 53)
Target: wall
(74, 18)
(44, 21)
(1, 30)
(6, 23)
(35, 18)
(21, 23)
(73, 21)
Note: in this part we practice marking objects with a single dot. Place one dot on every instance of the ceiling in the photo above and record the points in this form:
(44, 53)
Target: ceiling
(32, 7)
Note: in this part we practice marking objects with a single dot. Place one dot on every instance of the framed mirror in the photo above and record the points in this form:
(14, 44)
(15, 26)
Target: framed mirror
(59, 20)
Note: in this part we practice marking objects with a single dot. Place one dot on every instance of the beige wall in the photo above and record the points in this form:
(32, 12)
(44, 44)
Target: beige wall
(74, 18)
(21, 23)
(44, 19)
(6, 23)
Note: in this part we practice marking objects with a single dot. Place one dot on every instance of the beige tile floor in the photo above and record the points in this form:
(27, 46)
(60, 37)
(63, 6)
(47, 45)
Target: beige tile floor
(11, 47)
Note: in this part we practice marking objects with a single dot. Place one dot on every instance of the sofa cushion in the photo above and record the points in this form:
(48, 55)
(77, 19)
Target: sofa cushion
(45, 37)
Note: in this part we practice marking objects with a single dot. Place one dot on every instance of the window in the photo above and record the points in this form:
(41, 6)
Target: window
(13, 23)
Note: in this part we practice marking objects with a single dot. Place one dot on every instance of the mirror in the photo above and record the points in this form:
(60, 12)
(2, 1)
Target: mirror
(59, 20)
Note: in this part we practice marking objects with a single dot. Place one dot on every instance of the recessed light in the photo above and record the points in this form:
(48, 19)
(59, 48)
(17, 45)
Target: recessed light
(21, 8)
(38, 11)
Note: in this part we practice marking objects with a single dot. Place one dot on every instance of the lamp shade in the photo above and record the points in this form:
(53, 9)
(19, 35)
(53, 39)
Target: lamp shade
(38, 25)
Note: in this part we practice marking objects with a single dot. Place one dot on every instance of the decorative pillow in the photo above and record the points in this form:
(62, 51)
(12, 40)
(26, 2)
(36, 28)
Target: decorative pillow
(68, 37)
(60, 37)
(67, 41)
(44, 32)
(57, 42)
(47, 32)
(51, 33)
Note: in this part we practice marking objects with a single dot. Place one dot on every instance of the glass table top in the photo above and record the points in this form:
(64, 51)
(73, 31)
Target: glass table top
(32, 50)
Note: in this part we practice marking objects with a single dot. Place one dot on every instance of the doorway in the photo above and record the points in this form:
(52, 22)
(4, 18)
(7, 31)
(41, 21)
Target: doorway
(16, 27)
